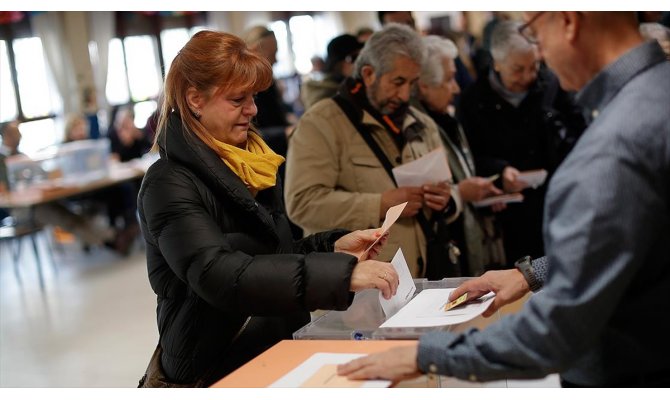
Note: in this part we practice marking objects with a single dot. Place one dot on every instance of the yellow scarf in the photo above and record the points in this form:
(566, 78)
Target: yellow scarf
(256, 165)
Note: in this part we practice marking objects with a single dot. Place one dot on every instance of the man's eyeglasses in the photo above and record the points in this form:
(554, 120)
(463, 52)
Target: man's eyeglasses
(526, 31)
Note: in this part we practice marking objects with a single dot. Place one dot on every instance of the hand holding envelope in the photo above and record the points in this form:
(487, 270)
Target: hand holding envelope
(430, 168)
(367, 244)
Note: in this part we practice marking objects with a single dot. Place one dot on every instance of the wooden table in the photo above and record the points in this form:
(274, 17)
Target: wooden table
(283, 357)
(34, 196)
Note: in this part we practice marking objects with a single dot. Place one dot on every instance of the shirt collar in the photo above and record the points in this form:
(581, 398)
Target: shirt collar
(606, 84)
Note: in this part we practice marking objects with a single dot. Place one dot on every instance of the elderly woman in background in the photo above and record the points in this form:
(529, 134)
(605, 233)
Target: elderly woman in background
(472, 231)
(230, 280)
(516, 118)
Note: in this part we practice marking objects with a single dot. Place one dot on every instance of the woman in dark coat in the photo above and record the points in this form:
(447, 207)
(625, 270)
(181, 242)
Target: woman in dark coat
(516, 119)
(229, 279)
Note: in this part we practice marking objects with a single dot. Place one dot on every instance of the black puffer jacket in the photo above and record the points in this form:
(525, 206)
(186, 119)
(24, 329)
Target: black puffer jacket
(216, 256)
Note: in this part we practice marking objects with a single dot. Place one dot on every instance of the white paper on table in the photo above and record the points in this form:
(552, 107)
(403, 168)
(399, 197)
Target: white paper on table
(503, 198)
(406, 287)
(319, 370)
(427, 309)
(429, 169)
(533, 178)
(392, 215)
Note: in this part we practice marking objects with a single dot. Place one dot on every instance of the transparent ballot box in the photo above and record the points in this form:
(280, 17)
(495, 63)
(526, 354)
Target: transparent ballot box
(74, 163)
(362, 319)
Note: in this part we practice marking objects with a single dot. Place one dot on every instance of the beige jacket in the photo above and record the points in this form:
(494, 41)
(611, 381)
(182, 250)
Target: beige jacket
(334, 180)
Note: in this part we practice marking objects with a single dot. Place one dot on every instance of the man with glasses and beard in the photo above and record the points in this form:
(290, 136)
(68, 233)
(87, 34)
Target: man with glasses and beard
(335, 178)
(605, 276)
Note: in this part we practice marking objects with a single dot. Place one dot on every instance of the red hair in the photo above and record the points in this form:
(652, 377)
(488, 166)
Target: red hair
(213, 63)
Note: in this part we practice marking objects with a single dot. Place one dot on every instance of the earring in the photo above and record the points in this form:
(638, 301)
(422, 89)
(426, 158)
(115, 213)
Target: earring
(196, 113)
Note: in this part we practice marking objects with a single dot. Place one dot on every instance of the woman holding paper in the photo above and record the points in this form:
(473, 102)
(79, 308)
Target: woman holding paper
(517, 119)
(229, 279)
(437, 88)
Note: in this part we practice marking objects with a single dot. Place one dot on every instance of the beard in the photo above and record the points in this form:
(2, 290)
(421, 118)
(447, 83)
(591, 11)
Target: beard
(394, 109)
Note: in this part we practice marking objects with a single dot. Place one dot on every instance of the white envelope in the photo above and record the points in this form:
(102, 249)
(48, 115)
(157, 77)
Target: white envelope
(406, 287)
(503, 198)
(533, 178)
(429, 169)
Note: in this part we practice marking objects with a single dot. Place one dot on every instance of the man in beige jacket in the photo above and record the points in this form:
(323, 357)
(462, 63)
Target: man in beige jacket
(335, 180)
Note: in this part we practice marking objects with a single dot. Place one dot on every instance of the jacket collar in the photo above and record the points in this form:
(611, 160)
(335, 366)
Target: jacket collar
(183, 147)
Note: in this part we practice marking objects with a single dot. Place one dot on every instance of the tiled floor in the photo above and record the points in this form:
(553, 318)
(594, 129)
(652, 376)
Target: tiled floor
(93, 326)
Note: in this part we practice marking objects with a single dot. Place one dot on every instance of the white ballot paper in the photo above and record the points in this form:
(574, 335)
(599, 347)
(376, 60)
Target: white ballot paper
(392, 215)
(320, 371)
(503, 198)
(429, 169)
(427, 309)
(533, 178)
(406, 288)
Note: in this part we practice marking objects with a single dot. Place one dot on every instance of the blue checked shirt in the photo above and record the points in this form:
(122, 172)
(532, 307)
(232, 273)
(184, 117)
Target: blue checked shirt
(607, 235)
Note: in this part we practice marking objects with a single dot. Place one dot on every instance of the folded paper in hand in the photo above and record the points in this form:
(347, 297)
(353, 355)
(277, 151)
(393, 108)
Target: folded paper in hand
(429, 169)
(533, 178)
(503, 198)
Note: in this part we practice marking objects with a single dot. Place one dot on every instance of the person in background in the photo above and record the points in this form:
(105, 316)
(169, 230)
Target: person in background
(473, 231)
(272, 117)
(515, 120)
(606, 275)
(76, 128)
(53, 213)
(91, 113)
(272, 111)
(335, 180)
(127, 140)
(363, 34)
(342, 53)
(463, 77)
(229, 279)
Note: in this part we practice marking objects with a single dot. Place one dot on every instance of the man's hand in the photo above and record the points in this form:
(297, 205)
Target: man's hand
(510, 182)
(437, 196)
(396, 364)
(477, 188)
(412, 195)
(509, 285)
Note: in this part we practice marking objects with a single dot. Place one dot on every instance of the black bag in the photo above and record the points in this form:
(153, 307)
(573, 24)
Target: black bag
(441, 252)
(154, 377)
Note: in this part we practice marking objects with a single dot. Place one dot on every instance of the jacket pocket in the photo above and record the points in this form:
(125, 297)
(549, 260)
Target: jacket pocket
(369, 175)
(363, 161)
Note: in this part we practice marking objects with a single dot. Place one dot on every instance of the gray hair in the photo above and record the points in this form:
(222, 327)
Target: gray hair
(438, 48)
(506, 39)
(383, 47)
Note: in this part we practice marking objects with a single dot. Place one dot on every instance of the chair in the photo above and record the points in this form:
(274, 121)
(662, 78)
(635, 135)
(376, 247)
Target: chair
(14, 234)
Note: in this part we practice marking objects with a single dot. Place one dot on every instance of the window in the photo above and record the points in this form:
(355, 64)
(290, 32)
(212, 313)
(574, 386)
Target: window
(8, 109)
(141, 55)
(29, 92)
(299, 39)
